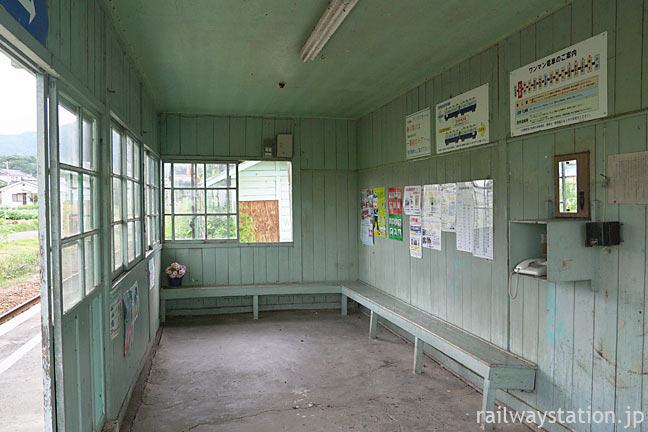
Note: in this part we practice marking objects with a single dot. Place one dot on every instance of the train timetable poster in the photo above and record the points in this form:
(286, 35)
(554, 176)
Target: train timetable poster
(462, 121)
(566, 87)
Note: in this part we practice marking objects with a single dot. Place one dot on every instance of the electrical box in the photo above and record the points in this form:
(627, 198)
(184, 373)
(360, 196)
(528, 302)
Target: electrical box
(603, 234)
(268, 150)
(284, 146)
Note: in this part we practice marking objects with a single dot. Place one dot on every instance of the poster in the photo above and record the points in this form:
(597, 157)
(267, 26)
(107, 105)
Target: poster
(394, 199)
(131, 300)
(566, 87)
(465, 217)
(412, 200)
(432, 200)
(462, 121)
(431, 233)
(448, 201)
(483, 227)
(416, 250)
(380, 213)
(366, 216)
(115, 319)
(151, 269)
(417, 134)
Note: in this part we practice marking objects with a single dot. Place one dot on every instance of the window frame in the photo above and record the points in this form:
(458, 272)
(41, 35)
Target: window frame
(218, 242)
(138, 188)
(153, 187)
(82, 114)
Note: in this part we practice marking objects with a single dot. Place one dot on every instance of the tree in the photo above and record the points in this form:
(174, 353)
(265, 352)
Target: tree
(26, 164)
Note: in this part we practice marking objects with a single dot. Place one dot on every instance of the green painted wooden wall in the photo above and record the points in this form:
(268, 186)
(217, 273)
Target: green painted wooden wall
(590, 346)
(324, 201)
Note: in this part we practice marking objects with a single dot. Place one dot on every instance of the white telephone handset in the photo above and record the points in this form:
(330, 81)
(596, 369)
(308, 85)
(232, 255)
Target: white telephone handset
(532, 267)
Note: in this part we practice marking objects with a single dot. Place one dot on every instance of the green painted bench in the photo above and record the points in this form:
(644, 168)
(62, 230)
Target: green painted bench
(500, 369)
(254, 291)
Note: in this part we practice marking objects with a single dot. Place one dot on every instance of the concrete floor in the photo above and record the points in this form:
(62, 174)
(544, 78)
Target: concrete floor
(291, 371)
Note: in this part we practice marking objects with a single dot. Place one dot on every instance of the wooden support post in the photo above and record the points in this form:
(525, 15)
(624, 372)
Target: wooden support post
(373, 323)
(488, 404)
(255, 306)
(418, 355)
(344, 304)
(163, 310)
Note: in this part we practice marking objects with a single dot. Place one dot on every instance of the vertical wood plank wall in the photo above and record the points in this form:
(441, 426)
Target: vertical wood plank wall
(590, 346)
(324, 202)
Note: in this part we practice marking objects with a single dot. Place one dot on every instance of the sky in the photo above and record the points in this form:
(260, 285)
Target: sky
(17, 99)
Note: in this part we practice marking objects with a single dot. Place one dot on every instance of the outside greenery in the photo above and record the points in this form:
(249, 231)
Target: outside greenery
(26, 164)
(18, 258)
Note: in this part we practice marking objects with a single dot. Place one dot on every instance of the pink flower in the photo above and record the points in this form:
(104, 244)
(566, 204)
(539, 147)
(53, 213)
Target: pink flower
(174, 274)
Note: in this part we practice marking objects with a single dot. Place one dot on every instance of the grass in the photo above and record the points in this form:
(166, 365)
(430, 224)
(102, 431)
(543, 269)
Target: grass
(18, 259)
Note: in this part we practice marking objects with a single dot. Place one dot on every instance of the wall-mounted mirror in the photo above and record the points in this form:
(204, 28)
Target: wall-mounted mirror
(571, 173)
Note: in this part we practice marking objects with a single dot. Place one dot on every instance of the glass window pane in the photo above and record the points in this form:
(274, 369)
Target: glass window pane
(131, 241)
(136, 161)
(232, 175)
(138, 200)
(68, 136)
(116, 152)
(167, 175)
(167, 201)
(217, 227)
(91, 263)
(69, 203)
(189, 201)
(168, 228)
(189, 227)
(129, 157)
(117, 243)
(117, 199)
(217, 201)
(70, 265)
(89, 202)
(138, 238)
(233, 204)
(188, 175)
(89, 152)
(232, 226)
(129, 199)
(216, 175)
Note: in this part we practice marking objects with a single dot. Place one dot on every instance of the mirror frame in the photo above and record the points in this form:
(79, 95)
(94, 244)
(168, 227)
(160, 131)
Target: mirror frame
(582, 185)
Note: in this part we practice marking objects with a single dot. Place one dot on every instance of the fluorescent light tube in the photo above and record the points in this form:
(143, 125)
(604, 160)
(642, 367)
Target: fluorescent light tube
(333, 16)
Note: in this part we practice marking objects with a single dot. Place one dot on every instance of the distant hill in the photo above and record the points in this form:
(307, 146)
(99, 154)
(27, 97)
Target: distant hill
(21, 145)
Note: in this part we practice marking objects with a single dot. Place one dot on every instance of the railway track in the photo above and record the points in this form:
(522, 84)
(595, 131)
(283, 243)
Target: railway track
(19, 309)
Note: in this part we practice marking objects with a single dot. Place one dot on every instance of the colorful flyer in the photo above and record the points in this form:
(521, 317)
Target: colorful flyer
(380, 212)
(416, 250)
(366, 216)
(431, 233)
(432, 200)
(462, 121)
(394, 199)
(412, 200)
(115, 319)
(448, 203)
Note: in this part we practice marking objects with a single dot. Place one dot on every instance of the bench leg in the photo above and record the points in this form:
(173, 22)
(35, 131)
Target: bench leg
(255, 307)
(488, 404)
(163, 310)
(418, 355)
(373, 323)
(344, 304)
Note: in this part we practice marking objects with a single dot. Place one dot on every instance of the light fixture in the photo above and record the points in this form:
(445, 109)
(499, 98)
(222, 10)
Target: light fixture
(335, 13)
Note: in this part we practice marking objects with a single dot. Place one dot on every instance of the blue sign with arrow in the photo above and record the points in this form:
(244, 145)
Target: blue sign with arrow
(31, 14)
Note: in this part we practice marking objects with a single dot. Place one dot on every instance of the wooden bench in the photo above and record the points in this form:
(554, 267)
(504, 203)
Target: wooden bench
(500, 369)
(254, 291)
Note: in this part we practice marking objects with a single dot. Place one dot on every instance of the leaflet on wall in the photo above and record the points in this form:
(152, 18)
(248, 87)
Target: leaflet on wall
(465, 217)
(128, 321)
(151, 269)
(431, 232)
(366, 216)
(448, 203)
(380, 213)
(462, 121)
(483, 231)
(416, 250)
(394, 198)
(566, 87)
(417, 134)
(412, 200)
(432, 200)
(115, 318)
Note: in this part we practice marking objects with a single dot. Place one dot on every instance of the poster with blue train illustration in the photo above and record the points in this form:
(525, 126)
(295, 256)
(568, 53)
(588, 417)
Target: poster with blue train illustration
(566, 87)
(462, 121)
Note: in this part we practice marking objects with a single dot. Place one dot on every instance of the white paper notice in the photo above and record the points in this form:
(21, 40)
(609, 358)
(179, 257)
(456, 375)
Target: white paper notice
(483, 232)
(151, 269)
(465, 217)
(432, 200)
(431, 233)
(417, 134)
(628, 173)
(412, 200)
(448, 204)
(416, 250)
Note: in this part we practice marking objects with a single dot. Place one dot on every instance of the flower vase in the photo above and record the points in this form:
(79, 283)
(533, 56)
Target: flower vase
(175, 282)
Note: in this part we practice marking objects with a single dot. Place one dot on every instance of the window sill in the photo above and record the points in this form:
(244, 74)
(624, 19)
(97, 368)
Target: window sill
(203, 244)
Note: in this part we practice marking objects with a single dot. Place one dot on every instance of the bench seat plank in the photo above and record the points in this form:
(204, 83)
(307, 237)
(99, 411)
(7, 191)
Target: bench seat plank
(169, 293)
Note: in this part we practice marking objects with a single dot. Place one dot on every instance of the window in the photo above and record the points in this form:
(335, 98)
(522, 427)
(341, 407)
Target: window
(17, 197)
(126, 199)
(248, 201)
(78, 180)
(572, 185)
(152, 200)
